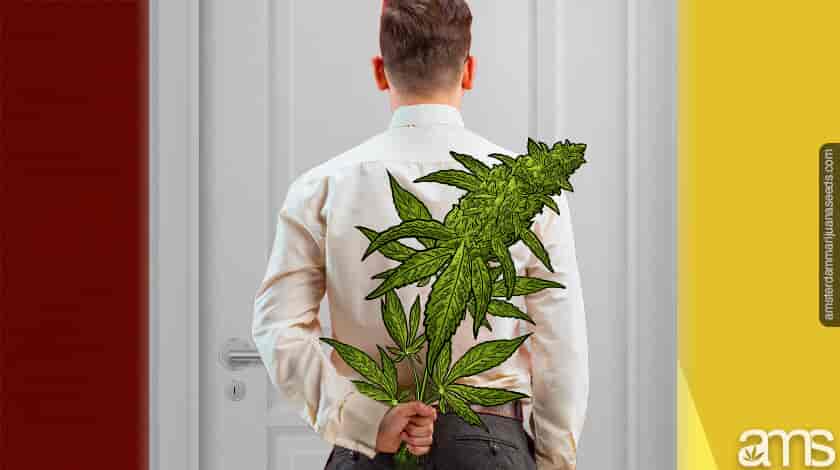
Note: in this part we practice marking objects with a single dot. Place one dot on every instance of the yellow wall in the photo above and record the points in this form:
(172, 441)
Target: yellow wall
(759, 94)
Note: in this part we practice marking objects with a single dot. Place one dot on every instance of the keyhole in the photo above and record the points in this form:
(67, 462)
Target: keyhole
(236, 390)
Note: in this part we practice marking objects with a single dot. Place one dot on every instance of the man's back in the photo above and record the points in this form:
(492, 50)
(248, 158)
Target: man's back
(354, 190)
(318, 251)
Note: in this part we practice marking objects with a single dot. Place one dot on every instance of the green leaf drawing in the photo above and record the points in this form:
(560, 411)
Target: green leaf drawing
(394, 250)
(384, 274)
(484, 356)
(418, 343)
(414, 318)
(359, 361)
(404, 396)
(407, 204)
(481, 287)
(409, 207)
(500, 308)
(525, 285)
(393, 316)
(442, 365)
(419, 266)
(508, 269)
(410, 229)
(485, 396)
(495, 272)
(477, 168)
(398, 354)
(508, 161)
(447, 302)
(457, 178)
(534, 244)
(389, 370)
(549, 202)
(372, 391)
(467, 260)
(460, 407)
(479, 319)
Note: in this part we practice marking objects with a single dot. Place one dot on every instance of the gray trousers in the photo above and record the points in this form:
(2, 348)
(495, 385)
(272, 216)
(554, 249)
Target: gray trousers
(457, 446)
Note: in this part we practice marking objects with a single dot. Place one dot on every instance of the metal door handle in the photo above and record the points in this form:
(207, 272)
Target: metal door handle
(237, 354)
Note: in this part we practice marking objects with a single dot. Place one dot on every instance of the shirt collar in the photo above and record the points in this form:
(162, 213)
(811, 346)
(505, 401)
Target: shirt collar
(419, 115)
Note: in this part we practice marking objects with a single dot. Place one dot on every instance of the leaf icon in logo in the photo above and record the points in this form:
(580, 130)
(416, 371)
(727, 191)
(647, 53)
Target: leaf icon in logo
(752, 453)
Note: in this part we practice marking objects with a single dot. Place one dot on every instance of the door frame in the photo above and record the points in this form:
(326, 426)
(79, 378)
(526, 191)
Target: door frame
(174, 238)
(174, 105)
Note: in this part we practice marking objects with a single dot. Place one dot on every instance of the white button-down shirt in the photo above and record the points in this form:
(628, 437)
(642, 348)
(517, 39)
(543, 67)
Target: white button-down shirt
(317, 251)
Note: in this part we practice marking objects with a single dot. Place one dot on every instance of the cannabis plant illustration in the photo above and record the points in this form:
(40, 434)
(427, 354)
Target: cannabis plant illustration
(466, 257)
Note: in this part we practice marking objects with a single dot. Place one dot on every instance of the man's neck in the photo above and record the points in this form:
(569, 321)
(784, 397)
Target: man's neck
(451, 100)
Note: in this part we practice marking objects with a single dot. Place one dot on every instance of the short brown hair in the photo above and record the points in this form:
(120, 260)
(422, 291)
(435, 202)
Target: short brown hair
(424, 43)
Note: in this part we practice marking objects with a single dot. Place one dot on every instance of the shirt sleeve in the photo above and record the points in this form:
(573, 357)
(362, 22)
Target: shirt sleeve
(286, 328)
(558, 347)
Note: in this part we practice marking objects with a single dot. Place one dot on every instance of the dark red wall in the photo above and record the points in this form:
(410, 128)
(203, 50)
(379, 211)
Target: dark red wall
(73, 234)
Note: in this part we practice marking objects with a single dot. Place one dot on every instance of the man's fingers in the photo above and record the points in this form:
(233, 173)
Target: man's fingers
(417, 407)
(421, 420)
(421, 450)
(426, 410)
(419, 431)
(423, 441)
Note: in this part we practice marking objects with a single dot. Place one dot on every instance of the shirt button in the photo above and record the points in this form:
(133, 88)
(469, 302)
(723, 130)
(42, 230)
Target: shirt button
(494, 448)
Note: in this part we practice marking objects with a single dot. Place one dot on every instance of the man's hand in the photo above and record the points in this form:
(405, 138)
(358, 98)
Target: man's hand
(412, 422)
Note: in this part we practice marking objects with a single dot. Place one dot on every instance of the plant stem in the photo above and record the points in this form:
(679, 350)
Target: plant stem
(417, 386)
(425, 379)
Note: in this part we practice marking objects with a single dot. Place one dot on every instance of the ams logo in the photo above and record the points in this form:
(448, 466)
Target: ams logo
(817, 450)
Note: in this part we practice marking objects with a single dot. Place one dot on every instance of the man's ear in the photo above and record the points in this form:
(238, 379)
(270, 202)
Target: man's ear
(469, 73)
(379, 73)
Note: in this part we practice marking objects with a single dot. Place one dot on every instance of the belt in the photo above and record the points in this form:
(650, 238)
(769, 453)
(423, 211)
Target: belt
(511, 409)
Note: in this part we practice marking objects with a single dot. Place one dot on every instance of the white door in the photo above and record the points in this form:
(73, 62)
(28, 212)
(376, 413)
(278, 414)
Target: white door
(285, 85)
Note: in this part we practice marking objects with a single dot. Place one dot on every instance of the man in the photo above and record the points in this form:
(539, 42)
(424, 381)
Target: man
(425, 67)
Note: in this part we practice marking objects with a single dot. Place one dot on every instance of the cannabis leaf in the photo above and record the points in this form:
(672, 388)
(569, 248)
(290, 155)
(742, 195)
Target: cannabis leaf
(414, 317)
(478, 168)
(393, 316)
(548, 201)
(481, 287)
(477, 359)
(484, 356)
(405, 336)
(389, 370)
(359, 361)
(460, 407)
(409, 206)
(393, 250)
(457, 178)
(422, 264)
(441, 369)
(524, 285)
(447, 302)
(410, 229)
(485, 396)
(507, 160)
(534, 244)
(384, 274)
(479, 320)
(752, 453)
(508, 270)
(500, 308)
(372, 391)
